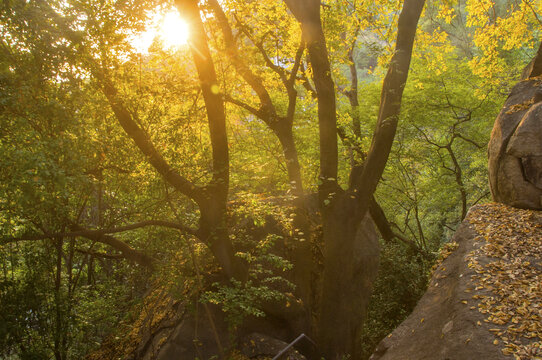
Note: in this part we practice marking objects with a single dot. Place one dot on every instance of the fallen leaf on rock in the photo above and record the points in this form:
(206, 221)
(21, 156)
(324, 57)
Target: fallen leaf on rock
(511, 273)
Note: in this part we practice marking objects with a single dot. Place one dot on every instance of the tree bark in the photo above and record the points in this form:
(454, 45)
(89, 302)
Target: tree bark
(387, 233)
(58, 331)
(127, 251)
(213, 221)
(390, 102)
(307, 12)
(344, 294)
(280, 125)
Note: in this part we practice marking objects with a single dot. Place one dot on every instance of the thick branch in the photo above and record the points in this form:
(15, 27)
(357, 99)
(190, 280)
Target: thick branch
(390, 103)
(306, 83)
(231, 48)
(280, 125)
(290, 84)
(307, 12)
(99, 254)
(138, 225)
(214, 103)
(140, 137)
(144, 143)
(297, 63)
(213, 223)
(127, 251)
(353, 92)
(256, 112)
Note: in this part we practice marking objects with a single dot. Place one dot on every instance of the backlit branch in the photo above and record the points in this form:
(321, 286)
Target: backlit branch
(144, 143)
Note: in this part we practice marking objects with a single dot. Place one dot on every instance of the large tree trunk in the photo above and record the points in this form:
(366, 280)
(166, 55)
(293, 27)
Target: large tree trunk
(347, 274)
(281, 125)
(351, 263)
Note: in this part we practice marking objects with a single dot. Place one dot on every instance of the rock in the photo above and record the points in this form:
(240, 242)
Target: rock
(440, 327)
(171, 327)
(260, 346)
(534, 68)
(168, 329)
(515, 148)
(476, 304)
(193, 337)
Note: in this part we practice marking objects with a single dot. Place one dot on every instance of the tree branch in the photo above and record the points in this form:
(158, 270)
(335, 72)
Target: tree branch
(306, 83)
(97, 235)
(256, 112)
(139, 136)
(390, 103)
(90, 232)
(127, 251)
(297, 62)
(307, 14)
(231, 48)
(259, 45)
(214, 102)
(144, 143)
(383, 225)
(99, 254)
(469, 141)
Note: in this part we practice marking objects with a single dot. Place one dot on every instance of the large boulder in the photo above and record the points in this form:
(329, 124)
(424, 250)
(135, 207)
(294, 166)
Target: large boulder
(484, 300)
(515, 148)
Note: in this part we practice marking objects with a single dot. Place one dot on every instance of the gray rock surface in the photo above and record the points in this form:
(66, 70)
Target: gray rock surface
(443, 326)
(260, 346)
(515, 148)
(484, 300)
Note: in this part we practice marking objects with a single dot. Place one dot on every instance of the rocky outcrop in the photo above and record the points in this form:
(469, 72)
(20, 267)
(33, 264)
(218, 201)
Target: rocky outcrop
(515, 148)
(484, 300)
(260, 346)
(167, 329)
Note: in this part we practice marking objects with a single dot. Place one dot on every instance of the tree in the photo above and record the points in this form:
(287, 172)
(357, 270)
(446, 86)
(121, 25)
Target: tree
(266, 61)
(96, 55)
(344, 210)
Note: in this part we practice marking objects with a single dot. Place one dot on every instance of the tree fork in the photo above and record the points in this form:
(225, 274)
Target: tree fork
(342, 309)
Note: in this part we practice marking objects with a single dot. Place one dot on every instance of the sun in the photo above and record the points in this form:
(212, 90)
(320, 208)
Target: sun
(168, 28)
(173, 30)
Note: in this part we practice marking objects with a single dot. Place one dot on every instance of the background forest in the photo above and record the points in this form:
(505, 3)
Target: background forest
(91, 222)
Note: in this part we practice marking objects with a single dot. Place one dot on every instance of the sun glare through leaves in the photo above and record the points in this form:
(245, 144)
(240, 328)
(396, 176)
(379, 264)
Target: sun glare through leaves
(168, 28)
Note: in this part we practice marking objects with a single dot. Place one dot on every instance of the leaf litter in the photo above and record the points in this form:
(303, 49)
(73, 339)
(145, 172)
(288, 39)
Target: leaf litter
(508, 274)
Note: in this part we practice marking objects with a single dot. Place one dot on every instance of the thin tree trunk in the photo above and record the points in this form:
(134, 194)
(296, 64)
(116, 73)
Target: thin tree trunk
(286, 139)
(459, 181)
(58, 306)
